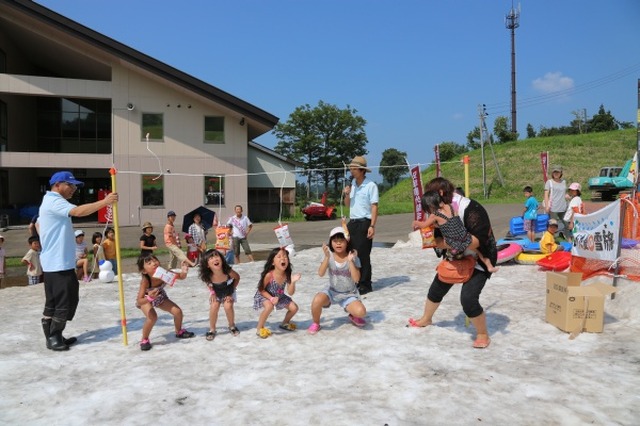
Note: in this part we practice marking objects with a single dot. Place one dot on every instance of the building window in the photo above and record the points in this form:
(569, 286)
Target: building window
(214, 129)
(73, 125)
(214, 190)
(4, 126)
(152, 124)
(152, 191)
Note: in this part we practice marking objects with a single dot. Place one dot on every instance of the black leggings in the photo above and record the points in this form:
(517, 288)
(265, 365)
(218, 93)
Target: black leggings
(469, 295)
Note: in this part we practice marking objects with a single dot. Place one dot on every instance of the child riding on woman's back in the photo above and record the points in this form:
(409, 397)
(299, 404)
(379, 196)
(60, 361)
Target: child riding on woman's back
(455, 234)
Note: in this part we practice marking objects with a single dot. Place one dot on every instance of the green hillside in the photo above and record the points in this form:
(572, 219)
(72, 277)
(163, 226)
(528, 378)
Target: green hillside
(581, 157)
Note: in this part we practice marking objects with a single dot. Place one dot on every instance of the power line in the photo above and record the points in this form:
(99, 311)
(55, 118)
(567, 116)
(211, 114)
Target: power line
(502, 107)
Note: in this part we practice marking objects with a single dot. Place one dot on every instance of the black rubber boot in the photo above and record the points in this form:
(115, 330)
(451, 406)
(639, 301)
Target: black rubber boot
(56, 342)
(46, 327)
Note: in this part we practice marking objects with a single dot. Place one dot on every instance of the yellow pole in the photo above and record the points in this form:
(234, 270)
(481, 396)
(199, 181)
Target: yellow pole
(114, 206)
(465, 161)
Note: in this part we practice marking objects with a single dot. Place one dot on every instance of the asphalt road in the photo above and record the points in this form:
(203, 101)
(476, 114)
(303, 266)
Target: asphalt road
(389, 230)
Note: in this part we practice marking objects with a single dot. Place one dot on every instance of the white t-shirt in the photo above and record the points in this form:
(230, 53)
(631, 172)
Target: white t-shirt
(575, 206)
(557, 191)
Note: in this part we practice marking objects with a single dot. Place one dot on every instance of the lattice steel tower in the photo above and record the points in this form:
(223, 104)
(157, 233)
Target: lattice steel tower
(512, 21)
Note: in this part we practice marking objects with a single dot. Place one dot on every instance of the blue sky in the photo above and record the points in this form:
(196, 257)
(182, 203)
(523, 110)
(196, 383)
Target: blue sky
(416, 70)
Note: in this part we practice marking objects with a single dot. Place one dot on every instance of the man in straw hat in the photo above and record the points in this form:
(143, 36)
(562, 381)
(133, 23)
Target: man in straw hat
(362, 198)
(58, 255)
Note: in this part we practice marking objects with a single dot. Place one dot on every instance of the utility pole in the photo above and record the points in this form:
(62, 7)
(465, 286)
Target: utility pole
(482, 112)
(512, 21)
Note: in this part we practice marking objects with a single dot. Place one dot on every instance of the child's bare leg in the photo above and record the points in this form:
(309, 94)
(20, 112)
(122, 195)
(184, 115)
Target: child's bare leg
(357, 309)
(213, 314)
(268, 308)
(150, 321)
(474, 246)
(319, 301)
(228, 310)
(292, 309)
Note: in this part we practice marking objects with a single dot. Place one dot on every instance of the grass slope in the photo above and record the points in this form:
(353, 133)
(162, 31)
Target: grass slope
(581, 157)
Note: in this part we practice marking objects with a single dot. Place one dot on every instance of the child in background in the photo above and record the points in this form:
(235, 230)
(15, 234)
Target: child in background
(98, 253)
(2, 260)
(147, 240)
(274, 280)
(152, 295)
(548, 241)
(575, 206)
(222, 282)
(530, 213)
(32, 260)
(82, 256)
(193, 252)
(344, 273)
(455, 234)
(109, 246)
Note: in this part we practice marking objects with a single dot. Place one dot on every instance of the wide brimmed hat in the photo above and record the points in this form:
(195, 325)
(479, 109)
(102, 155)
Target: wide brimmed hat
(360, 162)
(147, 225)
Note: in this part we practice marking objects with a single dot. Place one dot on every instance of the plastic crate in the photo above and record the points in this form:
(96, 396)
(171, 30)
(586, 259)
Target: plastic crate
(516, 225)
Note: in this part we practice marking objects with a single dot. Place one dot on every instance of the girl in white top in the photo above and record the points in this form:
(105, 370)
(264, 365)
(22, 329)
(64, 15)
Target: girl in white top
(575, 206)
(344, 272)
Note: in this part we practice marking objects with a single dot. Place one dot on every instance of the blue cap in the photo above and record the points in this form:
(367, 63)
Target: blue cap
(171, 213)
(65, 177)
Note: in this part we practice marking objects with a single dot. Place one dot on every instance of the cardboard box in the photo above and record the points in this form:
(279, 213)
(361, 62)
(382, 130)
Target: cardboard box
(573, 307)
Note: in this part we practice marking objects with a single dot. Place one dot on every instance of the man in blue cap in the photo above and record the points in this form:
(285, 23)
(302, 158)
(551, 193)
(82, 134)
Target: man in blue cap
(58, 255)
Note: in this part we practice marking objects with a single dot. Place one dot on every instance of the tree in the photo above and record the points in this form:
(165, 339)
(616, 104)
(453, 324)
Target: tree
(602, 121)
(501, 130)
(473, 138)
(531, 132)
(448, 150)
(393, 165)
(324, 138)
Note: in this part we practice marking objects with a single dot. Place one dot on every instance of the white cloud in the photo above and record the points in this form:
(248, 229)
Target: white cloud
(553, 82)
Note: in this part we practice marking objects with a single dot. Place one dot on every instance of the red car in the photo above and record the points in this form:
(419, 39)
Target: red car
(313, 211)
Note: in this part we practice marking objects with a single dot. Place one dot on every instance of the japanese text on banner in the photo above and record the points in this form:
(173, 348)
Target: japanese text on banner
(596, 235)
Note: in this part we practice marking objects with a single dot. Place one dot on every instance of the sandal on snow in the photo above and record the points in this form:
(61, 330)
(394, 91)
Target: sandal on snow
(263, 333)
(358, 322)
(184, 334)
(210, 335)
(234, 330)
(481, 343)
(289, 326)
(145, 345)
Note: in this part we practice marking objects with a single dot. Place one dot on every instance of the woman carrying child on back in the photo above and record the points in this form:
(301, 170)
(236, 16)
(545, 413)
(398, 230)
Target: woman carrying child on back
(222, 282)
(344, 272)
(455, 235)
(274, 280)
(152, 295)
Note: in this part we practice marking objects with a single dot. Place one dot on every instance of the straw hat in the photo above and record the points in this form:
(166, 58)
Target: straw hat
(359, 162)
(147, 225)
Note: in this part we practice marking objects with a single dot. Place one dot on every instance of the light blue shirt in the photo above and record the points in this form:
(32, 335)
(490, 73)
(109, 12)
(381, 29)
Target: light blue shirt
(361, 198)
(56, 234)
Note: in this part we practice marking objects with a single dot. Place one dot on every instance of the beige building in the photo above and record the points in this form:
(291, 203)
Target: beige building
(74, 99)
